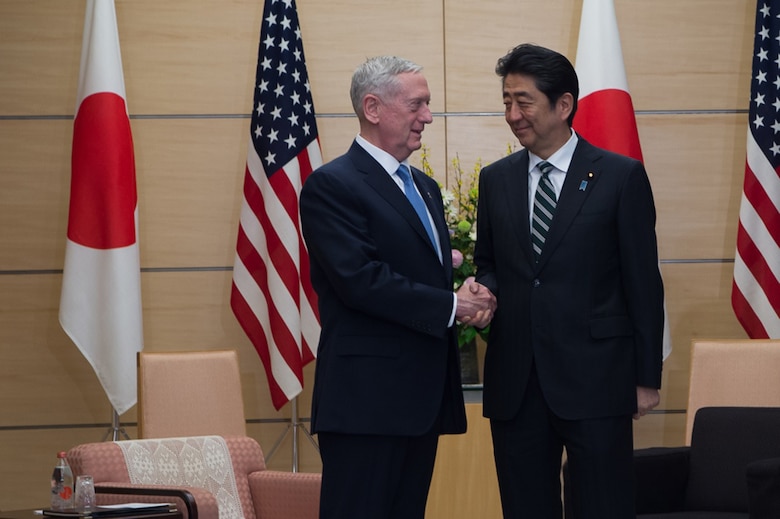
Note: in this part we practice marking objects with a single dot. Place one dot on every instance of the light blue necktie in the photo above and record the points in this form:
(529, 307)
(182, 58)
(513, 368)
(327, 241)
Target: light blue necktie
(544, 209)
(416, 200)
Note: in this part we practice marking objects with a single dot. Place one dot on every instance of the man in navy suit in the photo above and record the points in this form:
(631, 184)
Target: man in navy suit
(387, 379)
(575, 347)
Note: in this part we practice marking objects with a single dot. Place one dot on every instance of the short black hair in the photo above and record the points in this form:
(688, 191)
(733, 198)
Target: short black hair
(552, 72)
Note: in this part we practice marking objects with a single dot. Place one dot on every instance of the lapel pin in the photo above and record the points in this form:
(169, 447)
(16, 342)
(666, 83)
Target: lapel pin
(584, 183)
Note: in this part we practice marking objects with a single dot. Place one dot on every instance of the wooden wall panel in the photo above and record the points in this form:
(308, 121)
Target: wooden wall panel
(341, 34)
(193, 57)
(43, 377)
(34, 186)
(658, 430)
(477, 37)
(189, 193)
(40, 49)
(678, 55)
(696, 165)
(691, 55)
(698, 303)
(463, 463)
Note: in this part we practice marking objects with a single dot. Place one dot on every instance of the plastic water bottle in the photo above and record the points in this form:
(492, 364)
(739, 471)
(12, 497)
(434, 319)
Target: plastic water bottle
(62, 484)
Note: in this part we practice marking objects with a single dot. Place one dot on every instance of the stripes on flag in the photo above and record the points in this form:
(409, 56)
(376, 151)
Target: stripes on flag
(755, 295)
(272, 296)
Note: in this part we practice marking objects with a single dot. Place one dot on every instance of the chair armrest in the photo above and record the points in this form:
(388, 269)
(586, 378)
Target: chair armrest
(195, 503)
(285, 495)
(661, 479)
(763, 479)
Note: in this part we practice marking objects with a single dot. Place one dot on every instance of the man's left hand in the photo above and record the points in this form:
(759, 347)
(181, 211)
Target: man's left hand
(646, 399)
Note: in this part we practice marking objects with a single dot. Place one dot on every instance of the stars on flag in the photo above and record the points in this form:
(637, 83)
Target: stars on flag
(765, 99)
(283, 118)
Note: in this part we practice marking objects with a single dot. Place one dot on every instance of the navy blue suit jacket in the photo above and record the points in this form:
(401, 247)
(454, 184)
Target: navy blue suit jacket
(387, 361)
(589, 314)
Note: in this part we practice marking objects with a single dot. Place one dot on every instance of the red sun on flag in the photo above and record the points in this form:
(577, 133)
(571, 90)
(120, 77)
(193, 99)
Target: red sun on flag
(103, 190)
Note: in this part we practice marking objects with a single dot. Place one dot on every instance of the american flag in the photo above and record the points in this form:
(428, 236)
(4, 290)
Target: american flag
(755, 294)
(272, 296)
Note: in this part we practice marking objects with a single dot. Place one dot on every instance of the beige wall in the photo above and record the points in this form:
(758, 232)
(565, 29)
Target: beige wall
(189, 68)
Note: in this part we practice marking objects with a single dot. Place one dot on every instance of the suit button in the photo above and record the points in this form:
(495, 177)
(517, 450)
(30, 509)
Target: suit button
(537, 283)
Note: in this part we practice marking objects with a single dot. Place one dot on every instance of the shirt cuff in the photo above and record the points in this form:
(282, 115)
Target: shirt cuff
(454, 307)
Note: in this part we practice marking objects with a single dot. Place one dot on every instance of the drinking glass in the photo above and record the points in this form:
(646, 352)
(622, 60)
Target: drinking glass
(85, 493)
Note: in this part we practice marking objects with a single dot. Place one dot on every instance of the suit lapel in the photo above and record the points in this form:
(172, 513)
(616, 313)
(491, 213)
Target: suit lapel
(515, 194)
(436, 210)
(579, 183)
(380, 181)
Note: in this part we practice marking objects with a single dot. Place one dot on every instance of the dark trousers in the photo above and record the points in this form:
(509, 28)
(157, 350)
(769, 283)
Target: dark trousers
(528, 451)
(376, 477)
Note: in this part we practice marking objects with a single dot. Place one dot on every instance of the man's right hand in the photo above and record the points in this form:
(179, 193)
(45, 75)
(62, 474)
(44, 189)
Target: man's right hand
(476, 304)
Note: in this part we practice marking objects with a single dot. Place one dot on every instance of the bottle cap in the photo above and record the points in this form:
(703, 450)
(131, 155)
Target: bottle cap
(61, 454)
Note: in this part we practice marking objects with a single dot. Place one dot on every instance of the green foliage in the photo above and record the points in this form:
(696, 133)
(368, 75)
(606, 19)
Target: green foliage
(460, 211)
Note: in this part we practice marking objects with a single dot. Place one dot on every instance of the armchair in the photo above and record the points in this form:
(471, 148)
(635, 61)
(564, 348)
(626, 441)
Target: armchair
(207, 477)
(731, 470)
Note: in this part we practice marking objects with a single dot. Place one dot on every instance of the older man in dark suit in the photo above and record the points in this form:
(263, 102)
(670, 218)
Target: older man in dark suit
(387, 381)
(566, 241)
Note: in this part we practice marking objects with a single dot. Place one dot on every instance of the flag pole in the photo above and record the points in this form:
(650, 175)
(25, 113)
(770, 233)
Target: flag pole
(292, 427)
(294, 424)
(116, 430)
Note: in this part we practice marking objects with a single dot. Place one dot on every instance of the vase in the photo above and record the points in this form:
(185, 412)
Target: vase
(469, 363)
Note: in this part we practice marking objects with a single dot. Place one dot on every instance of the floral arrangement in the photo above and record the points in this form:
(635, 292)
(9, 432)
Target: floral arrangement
(460, 211)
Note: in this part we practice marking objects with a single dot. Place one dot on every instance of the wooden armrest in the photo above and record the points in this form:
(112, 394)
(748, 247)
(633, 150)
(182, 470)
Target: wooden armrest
(184, 494)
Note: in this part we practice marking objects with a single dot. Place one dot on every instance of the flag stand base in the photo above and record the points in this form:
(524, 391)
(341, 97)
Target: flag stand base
(116, 430)
(294, 426)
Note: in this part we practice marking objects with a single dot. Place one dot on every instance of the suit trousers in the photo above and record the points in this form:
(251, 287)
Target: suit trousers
(528, 451)
(375, 476)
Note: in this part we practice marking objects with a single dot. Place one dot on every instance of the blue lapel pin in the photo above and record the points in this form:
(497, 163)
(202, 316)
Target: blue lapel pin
(584, 183)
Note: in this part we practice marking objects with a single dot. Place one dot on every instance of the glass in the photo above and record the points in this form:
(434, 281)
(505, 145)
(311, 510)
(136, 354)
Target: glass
(85, 493)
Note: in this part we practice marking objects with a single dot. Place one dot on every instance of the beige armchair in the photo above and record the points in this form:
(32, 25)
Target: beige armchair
(206, 477)
(735, 373)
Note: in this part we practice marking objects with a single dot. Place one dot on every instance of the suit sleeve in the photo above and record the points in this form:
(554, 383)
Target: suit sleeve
(483, 249)
(641, 275)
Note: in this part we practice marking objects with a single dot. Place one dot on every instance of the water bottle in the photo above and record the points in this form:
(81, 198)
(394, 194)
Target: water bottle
(61, 484)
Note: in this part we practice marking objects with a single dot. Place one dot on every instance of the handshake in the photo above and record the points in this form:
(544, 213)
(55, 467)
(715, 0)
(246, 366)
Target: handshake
(476, 304)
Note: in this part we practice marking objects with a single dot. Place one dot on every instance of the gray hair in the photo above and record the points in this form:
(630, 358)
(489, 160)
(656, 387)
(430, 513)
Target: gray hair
(379, 76)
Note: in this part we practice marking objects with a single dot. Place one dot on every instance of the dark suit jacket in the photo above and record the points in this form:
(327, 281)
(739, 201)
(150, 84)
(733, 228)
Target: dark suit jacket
(590, 313)
(387, 362)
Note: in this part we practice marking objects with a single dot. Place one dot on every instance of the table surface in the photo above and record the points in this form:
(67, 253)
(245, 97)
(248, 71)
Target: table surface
(35, 514)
